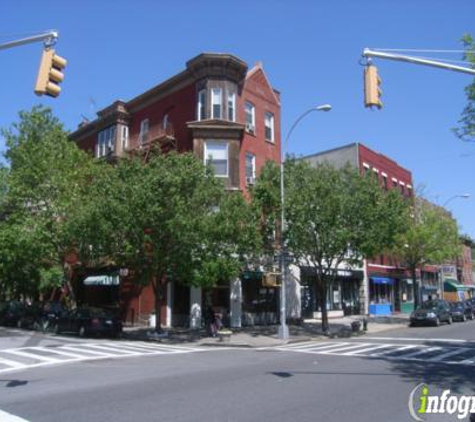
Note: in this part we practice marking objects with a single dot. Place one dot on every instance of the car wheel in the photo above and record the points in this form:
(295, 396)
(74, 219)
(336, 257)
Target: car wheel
(437, 322)
(464, 319)
(56, 329)
(82, 331)
(449, 321)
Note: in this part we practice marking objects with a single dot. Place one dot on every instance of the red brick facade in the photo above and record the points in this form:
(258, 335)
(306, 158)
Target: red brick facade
(176, 120)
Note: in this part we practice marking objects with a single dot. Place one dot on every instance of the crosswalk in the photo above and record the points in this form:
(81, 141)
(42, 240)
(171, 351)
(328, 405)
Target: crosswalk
(32, 357)
(455, 355)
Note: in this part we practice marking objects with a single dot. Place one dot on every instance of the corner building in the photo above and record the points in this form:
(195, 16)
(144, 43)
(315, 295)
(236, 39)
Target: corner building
(226, 114)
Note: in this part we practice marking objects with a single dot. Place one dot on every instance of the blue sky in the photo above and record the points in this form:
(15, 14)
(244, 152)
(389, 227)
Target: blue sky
(310, 51)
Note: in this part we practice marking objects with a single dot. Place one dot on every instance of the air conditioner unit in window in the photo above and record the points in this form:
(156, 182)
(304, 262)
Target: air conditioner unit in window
(250, 180)
(249, 128)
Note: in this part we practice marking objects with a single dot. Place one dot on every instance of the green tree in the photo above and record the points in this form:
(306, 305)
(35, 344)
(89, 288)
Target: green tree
(336, 216)
(430, 236)
(169, 219)
(466, 129)
(47, 186)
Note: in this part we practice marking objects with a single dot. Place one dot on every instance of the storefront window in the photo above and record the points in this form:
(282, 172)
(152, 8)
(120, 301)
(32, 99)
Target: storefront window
(380, 293)
(257, 298)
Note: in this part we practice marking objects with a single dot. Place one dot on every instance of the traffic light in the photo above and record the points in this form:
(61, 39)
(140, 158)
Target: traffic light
(271, 279)
(50, 74)
(372, 90)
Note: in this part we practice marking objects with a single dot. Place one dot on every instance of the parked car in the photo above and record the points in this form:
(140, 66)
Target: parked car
(431, 312)
(30, 316)
(88, 321)
(11, 312)
(461, 311)
(471, 303)
(50, 313)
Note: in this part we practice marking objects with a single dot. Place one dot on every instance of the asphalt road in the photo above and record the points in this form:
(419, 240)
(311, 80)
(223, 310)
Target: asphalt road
(294, 383)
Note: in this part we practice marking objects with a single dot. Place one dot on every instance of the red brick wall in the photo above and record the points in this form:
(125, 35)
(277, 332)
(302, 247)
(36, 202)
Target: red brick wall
(180, 107)
(257, 91)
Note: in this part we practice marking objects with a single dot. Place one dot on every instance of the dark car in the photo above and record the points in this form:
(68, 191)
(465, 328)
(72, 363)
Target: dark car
(431, 312)
(461, 311)
(11, 312)
(88, 321)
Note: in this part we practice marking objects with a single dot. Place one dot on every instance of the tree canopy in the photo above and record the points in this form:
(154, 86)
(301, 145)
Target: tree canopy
(466, 129)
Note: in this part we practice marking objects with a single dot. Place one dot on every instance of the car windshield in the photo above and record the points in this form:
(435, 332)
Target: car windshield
(429, 305)
(456, 305)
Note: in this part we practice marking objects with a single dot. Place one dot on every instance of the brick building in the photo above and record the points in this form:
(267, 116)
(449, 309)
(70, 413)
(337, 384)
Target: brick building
(381, 285)
(229, 116)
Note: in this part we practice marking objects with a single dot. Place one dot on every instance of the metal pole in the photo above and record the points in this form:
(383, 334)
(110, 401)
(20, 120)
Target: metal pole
(415, 60)
(283, 333)
(50, 37)
(283, 328)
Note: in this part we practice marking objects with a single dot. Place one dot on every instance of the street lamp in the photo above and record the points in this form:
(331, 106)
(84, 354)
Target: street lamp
(283, 333)
(463, 195)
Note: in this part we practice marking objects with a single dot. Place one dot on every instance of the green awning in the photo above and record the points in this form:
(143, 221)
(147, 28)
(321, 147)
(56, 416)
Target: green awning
(451, 285)
(102, 280)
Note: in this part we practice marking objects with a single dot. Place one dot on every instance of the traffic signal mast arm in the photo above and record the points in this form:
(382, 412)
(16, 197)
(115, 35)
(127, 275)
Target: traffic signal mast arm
(368, 53)
(49, 37)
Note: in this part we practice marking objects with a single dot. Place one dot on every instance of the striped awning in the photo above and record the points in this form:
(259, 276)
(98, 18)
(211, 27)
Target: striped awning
(102, 280)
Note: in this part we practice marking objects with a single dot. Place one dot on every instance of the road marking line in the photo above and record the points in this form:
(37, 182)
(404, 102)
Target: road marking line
(58, 352)
(31, 355)
(398, 349)
(8, 417)
(135, 348)
(92, 352)
(468, 361)
(367, 349)
(447, 340)
(301, 345)
(12, 363)
(448, 354)
(420, 352)
(111, 349)
(340, 349)
(320, 347)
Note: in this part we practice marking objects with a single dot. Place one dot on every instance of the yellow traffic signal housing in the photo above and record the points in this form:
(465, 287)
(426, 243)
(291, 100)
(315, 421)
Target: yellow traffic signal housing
(50, 74)
(271, 279)
(372, 90)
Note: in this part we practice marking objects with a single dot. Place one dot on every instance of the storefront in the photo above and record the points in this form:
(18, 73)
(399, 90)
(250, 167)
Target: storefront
(381, 295)
(342, 293)
(454, 292)
(406, 292)
(259, 303)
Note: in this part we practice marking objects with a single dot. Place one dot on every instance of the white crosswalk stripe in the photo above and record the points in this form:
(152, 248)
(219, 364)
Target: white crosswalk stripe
(31, 357)
(450, 354)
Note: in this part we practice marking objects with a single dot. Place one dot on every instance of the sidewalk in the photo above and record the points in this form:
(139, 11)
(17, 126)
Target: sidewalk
(266, 336)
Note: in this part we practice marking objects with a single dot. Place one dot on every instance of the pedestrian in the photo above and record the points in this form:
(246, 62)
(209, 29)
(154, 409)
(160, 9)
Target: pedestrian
(210, 321)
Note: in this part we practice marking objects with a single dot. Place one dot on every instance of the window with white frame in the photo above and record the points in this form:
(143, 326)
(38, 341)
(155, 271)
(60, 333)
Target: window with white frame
(124, 137)
(250, 113)
(144, 126)
(250, 168)
(232, 106)
(216, 155)
(201, 114)
(216, 103)
(269, 127)
(105, 141)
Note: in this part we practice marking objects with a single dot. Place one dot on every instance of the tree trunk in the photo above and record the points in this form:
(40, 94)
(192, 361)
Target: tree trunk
(415, 286)
(157, 289)
(67, 271)
(322, 297)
